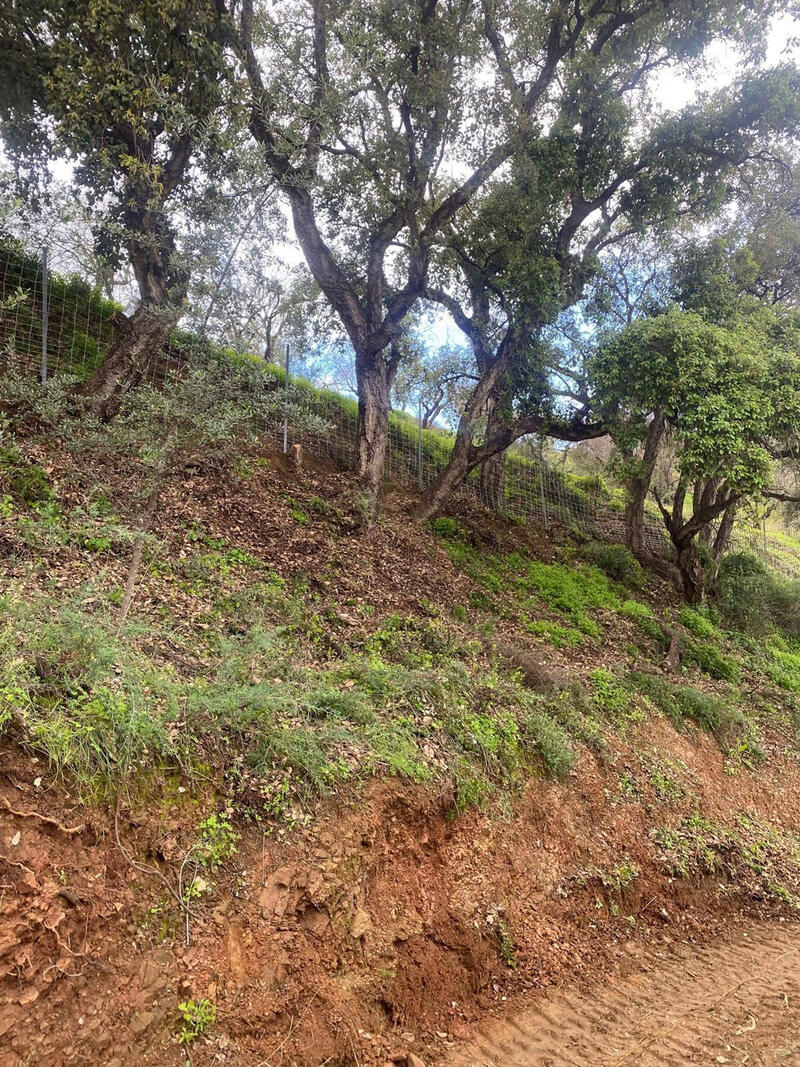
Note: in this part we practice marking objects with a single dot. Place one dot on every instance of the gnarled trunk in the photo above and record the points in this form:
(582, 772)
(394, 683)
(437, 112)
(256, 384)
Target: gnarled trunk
(693, 576)
(138, 342)
(374, 405)
(450, 479)
(493, 469)
(493, 481)
(638, 485)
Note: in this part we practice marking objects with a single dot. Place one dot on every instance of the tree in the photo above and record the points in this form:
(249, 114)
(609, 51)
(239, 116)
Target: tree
(434, 381)
(534, 241)
(728, 395)
(135, 92)
(381, 122)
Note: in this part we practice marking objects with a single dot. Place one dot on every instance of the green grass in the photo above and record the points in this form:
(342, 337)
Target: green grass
(280, 722)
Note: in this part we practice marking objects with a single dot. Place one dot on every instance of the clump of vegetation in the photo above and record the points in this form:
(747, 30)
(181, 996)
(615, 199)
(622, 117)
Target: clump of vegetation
(617, 561)
(710, 660)
(27, 482)
(698, 623)
(647, 622)
(557, 635)
(218, 841)
(198, 1016)
(610, 695)
(752, 598)
(570, 591)
(751, 855)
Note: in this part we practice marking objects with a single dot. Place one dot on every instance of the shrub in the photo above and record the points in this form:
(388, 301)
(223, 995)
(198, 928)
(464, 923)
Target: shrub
(743, 591)
(551, 742)
(447, 529)
(698, 623)
(609, 694)
(713, 662)
(617, 561)
(647, 622)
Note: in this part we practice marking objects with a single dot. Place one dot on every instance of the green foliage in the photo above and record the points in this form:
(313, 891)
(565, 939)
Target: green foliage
(570, 591)
(712, 661)
(218, 841)
(26, 481)
(647, 622)
(783, 667)
(715, 383)
(698, 623)
(752, 598)
(609, 694)
(617, 561)
(508, 952)
(558, 636)
(446, 528)
(757, 858)
(198, 1016)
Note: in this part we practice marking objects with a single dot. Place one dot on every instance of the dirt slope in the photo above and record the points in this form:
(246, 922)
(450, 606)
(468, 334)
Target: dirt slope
(383, 923)
(736, 1001)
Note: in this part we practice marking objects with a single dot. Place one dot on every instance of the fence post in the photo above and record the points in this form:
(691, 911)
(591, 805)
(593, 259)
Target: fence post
(419, 443)
(286, 405)
(45, 314)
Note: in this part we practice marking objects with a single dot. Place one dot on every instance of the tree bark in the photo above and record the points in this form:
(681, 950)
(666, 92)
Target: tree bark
(693, 577)
(723, 536)
(138, 341)
(442, 488)
(639, 486)
(374, 405)
(493, 469)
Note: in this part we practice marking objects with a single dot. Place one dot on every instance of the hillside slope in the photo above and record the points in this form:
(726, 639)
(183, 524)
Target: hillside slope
(341, 791)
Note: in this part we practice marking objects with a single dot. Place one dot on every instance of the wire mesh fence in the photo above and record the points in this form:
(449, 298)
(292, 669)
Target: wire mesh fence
(51, 325)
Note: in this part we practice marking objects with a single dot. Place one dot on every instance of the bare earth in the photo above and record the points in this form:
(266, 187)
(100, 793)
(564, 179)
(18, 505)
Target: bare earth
(736, 1002)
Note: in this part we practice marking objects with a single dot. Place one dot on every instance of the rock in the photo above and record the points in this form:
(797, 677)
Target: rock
(314, 920)
(360, 923)
(139, 1023)
(413, 1061)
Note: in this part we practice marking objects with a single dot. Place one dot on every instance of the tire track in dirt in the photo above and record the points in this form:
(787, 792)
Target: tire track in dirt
(735, 1002)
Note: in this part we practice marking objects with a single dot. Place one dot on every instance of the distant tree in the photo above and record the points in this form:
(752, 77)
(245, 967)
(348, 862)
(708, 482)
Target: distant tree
(135, 92)
(381, 122)
(535, 238)
(729, 397)
(435, 381)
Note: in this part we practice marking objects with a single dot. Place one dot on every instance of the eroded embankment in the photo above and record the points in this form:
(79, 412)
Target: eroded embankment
(386, 928)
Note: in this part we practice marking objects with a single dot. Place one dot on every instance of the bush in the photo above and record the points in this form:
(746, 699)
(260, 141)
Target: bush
(617, 561)
(751, 598)
(697, 623)
(713, 662)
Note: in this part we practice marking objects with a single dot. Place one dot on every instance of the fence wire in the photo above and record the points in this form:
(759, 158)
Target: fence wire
(66, 325)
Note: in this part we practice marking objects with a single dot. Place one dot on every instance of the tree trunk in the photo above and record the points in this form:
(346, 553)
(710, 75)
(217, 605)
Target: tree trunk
(638, 486)
(493, 481)
(723, 537)
(493, 469)
(374, 405)
(138, 341)
(693, 578)
(448, 481)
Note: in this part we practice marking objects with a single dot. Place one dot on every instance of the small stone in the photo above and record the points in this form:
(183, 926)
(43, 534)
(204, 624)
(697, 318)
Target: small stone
(140, 1022)
(360, 923)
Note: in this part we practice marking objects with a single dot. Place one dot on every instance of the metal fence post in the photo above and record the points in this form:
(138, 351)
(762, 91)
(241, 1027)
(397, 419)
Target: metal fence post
(45, 314)
(419, 443)
(286, 405)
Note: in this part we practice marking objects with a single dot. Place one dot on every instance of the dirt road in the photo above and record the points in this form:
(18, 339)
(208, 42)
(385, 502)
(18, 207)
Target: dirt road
(736, 1002)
